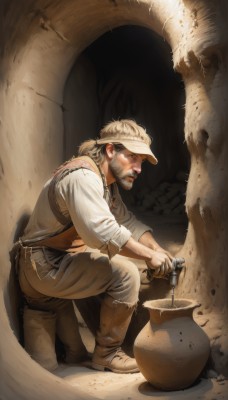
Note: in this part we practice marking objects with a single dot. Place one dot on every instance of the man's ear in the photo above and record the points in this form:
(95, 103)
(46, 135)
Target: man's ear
(110, 151)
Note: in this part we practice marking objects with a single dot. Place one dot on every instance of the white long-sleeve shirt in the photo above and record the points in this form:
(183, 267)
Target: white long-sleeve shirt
(103, 225)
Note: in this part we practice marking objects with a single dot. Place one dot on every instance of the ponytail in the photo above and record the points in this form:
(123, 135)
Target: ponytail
(93, 150)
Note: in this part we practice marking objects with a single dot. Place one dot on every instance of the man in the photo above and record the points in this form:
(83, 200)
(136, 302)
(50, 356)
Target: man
(80, 209)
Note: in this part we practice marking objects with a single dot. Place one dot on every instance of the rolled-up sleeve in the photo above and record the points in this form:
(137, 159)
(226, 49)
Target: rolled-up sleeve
(81, 194)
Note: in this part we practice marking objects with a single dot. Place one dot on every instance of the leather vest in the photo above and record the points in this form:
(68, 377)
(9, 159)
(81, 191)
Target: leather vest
(68, 240)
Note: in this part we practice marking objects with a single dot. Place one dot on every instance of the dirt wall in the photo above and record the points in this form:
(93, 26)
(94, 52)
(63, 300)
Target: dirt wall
(41, 40)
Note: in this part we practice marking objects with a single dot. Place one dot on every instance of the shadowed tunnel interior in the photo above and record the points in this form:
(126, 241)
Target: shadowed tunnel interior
(128, 73)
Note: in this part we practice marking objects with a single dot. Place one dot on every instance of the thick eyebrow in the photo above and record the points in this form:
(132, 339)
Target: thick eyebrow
(143, 156)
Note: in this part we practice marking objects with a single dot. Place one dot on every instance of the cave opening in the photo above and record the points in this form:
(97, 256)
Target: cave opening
(128, 73)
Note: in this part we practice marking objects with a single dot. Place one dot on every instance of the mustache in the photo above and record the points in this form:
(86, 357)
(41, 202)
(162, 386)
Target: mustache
(132, 175)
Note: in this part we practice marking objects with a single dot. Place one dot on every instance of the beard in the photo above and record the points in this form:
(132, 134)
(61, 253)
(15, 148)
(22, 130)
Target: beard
(120, 177)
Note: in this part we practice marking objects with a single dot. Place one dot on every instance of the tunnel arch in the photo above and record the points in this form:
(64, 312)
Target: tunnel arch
(128, 73)
(41, 41)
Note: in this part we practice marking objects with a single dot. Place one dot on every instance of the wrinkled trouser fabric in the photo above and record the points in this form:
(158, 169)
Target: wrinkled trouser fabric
(45, 274)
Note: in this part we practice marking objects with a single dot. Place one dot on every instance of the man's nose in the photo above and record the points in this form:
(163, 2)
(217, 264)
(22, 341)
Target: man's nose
(138, 167)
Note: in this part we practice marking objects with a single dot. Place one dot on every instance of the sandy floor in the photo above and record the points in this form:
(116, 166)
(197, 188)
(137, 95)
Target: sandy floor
(111, 386)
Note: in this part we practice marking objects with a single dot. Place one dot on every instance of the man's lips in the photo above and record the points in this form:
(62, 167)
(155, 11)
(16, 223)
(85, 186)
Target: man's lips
(131, 177)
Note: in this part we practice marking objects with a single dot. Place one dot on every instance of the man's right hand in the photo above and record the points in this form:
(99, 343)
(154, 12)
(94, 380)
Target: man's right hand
(160, 263)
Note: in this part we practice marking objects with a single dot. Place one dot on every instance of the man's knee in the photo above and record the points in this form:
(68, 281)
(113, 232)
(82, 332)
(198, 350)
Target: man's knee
(126, 280)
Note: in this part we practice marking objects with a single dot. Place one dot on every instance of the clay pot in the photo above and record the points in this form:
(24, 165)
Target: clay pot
(171, 350)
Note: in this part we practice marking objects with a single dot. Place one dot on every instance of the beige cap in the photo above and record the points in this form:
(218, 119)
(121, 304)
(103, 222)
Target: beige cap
(130, 135)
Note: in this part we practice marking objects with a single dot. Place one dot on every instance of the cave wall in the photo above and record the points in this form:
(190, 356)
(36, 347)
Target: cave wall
(40, 42)
(203, 65)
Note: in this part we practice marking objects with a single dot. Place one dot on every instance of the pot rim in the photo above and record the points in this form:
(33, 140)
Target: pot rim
(157, 304)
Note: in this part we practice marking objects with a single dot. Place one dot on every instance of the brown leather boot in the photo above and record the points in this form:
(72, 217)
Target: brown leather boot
(67, 330)
(39, 337)
(89, 309)
(108, 355)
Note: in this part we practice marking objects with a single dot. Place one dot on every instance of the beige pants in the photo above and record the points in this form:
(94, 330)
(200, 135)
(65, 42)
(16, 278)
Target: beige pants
(47, 274)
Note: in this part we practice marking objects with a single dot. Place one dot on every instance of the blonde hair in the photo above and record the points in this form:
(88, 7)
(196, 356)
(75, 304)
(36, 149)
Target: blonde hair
(93, 150)
(121, 128)
(127, 128)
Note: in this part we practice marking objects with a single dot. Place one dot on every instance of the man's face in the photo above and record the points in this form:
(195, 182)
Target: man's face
(125, 167)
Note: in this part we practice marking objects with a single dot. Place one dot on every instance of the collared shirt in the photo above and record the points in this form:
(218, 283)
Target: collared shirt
(102, 224)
